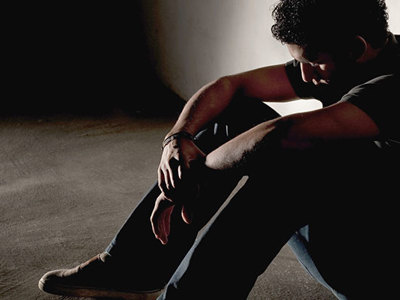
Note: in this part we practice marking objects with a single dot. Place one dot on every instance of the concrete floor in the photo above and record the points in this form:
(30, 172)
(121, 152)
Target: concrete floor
(68, 182)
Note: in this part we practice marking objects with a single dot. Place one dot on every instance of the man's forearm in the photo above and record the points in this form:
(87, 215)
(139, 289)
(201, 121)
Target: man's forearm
(247, 147)
(275, 138)
(204, 106)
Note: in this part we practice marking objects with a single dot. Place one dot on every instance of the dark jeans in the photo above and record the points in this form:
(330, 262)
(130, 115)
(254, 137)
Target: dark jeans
(319, 201)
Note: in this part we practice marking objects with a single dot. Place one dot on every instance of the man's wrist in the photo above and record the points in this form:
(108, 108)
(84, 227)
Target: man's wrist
(178, 135)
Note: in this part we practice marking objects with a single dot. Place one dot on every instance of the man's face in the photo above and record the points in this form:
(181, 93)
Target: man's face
(318, 69)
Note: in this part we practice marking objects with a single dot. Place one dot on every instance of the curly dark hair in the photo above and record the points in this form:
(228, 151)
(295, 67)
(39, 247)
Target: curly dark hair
(330, 24)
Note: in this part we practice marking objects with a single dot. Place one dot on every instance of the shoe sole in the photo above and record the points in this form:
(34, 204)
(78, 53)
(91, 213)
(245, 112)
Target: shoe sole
(79, 291)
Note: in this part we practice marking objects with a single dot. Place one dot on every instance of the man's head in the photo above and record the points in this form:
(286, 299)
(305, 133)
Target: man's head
(330, 33)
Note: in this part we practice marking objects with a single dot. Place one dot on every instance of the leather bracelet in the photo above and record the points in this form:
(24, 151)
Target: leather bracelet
(180, 134)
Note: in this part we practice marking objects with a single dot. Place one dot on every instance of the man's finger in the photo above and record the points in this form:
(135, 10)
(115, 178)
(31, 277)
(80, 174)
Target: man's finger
(161, 219)
(180, 172)
(163, 183)
(175, 172)
(164, 224)
(160, 179)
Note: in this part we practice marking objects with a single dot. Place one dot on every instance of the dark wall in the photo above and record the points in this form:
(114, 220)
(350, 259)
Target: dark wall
(84, 56)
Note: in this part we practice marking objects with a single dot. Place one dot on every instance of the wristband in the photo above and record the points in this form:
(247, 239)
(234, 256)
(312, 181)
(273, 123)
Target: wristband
(180, 134)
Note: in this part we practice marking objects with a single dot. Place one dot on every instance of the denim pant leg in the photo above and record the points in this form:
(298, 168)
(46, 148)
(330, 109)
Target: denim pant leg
(299, 243)
(238, 246)
(135, 246)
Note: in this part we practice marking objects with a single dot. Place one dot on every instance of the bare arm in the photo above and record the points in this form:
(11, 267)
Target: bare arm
(268, 83)
(338, 122)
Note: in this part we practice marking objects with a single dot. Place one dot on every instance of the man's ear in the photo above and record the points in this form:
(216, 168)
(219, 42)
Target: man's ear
(358, 49)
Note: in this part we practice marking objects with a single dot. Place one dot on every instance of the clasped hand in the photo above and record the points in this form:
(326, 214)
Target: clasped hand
(178, 179)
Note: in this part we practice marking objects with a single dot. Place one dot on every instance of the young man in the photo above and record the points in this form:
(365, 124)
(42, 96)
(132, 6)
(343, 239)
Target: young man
(320, 180)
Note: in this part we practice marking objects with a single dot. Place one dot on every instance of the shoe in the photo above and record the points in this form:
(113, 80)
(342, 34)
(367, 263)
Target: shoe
(98, 277)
